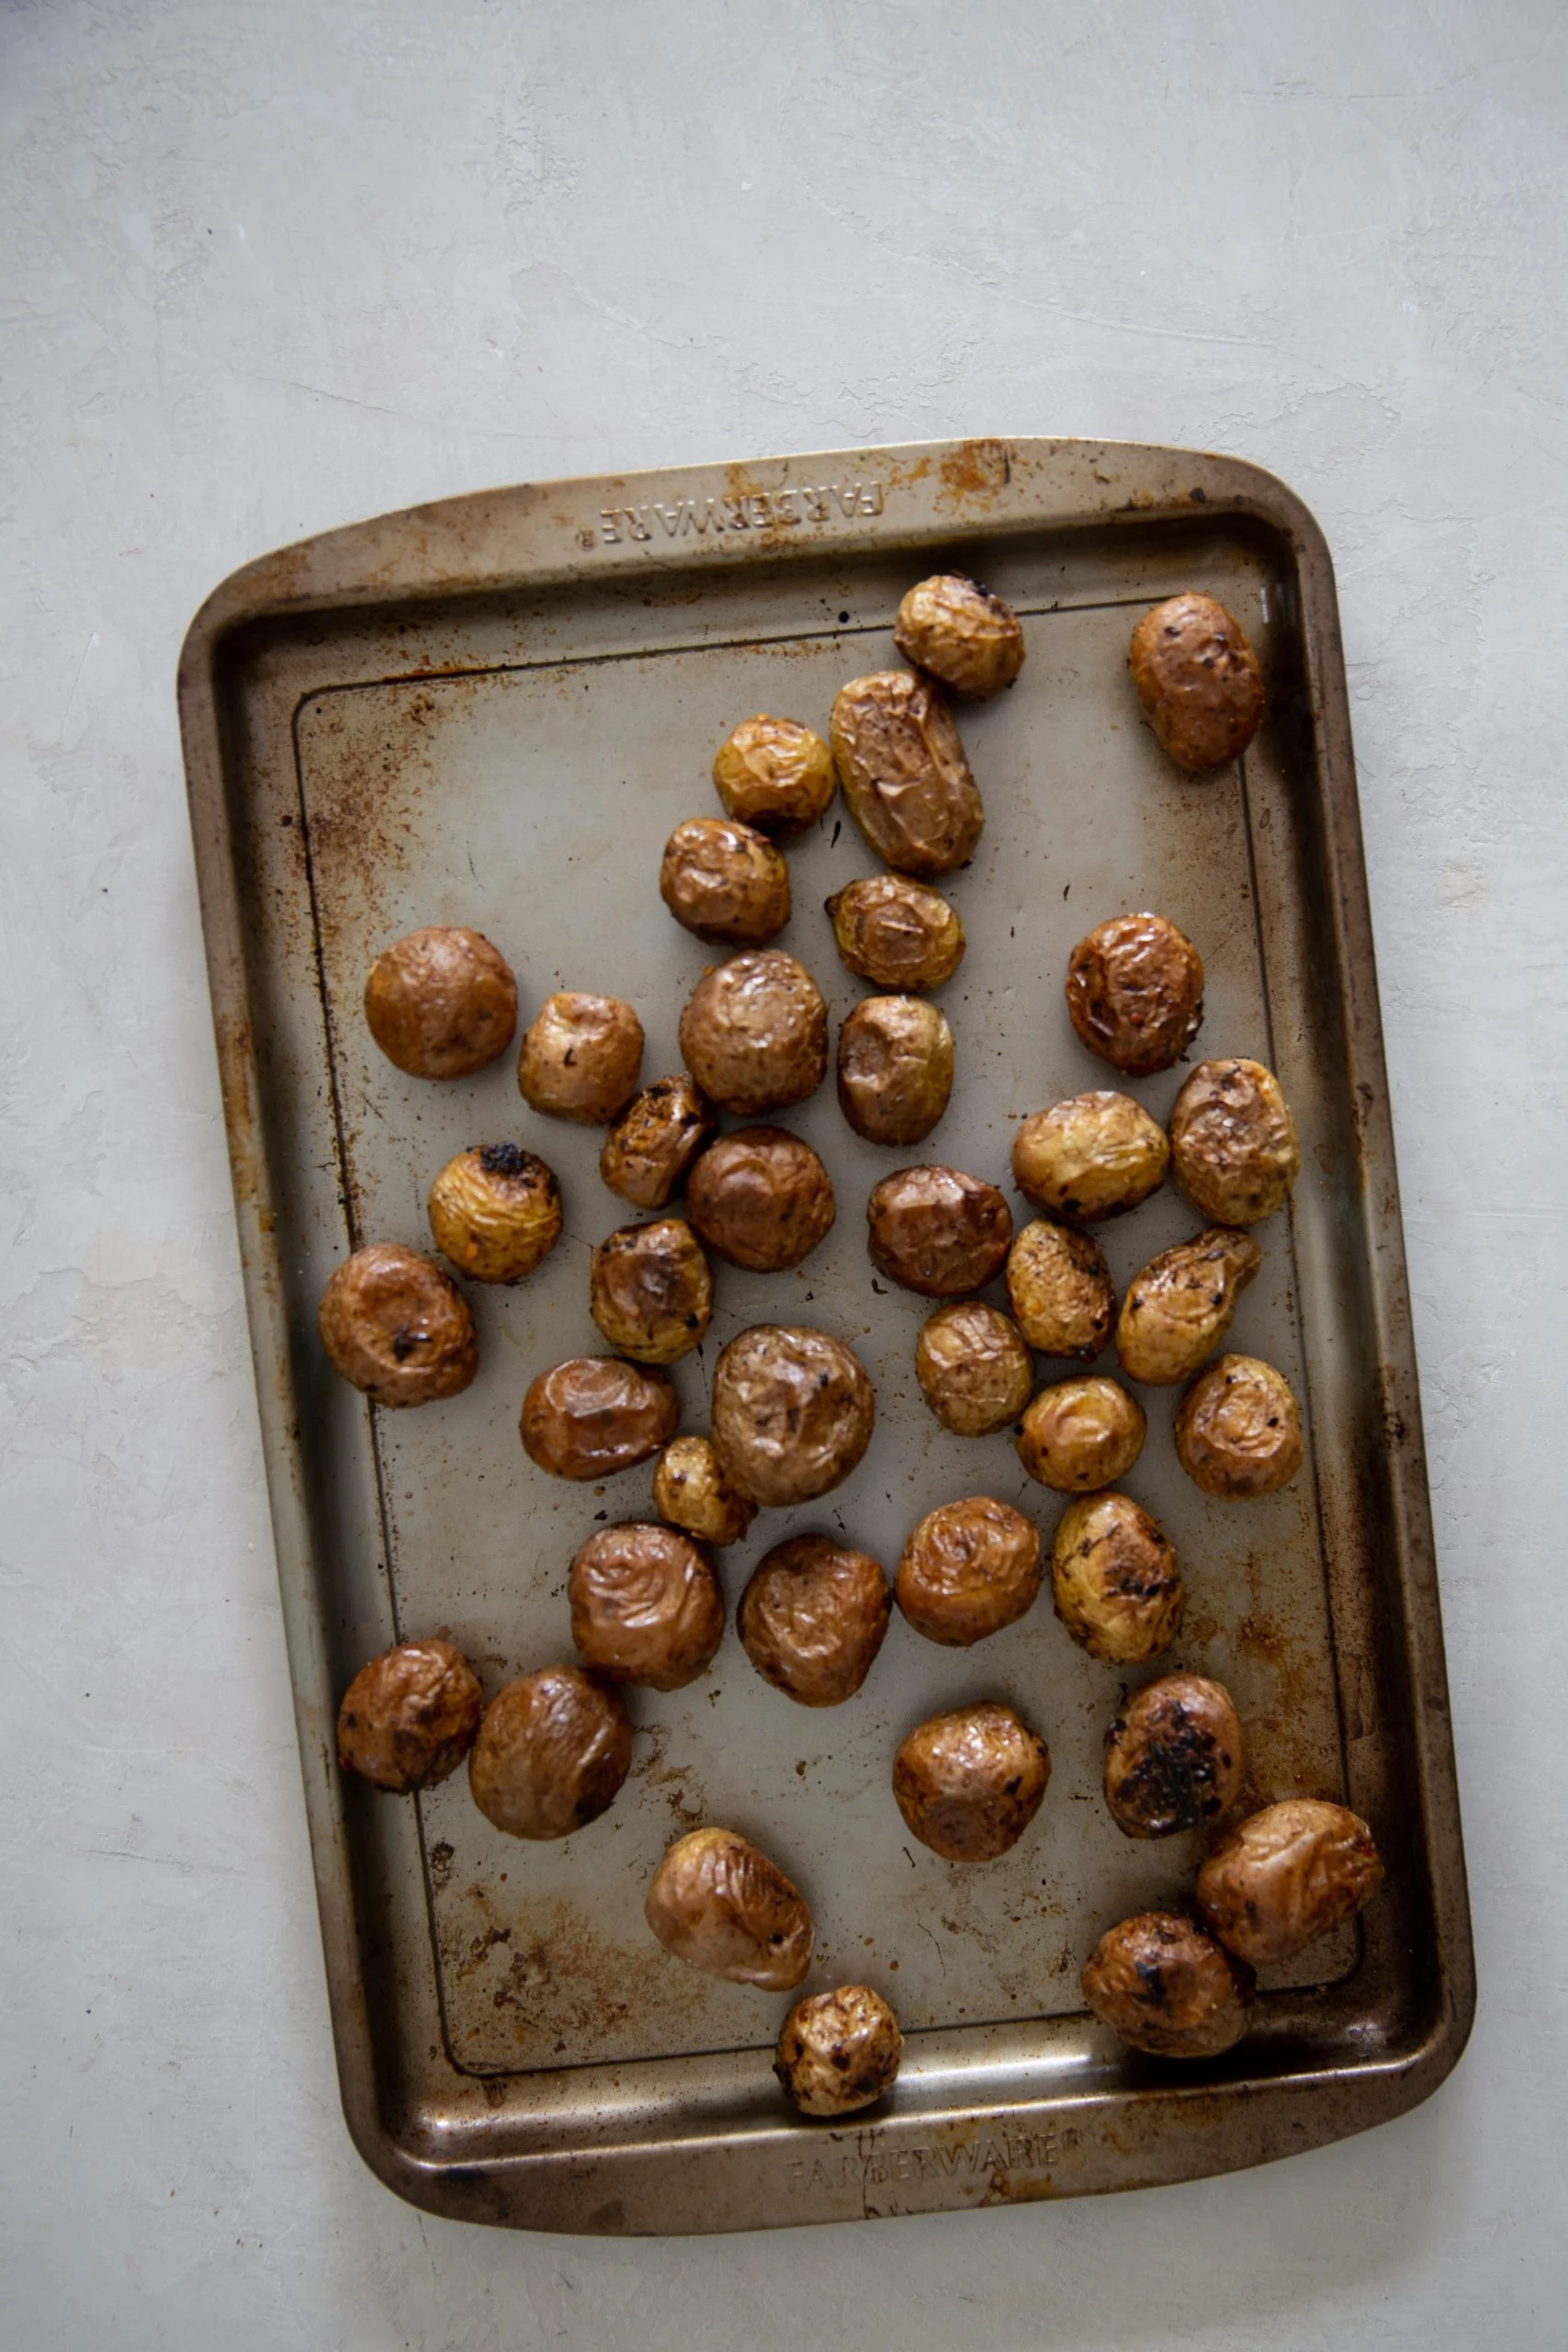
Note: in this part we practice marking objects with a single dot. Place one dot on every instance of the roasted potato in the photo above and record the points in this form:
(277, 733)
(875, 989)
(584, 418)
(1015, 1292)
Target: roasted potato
(839, 2051)
(691, 1491)
(580, 1059)
(594, 1415)
(895, 1068)
(968, 1569)
(722, 1906)
(1238, 1429)
(1285, 1876)
(896, 933)
(1060, 1288)
(1233, 1142)
(495, 1212)
(409, 1717)
(974, 1369)
(774, 774)
(969, 1784)
(441, 1003)
(812, 1617)
(1179, 1308)
(792, 1413)
(396, 1327)
(646, 1606)
(1160, 1984)
(655, 1140)
(958, 632)
(650, 1292)
(1135, 994)
(937, 1231)
(551, 1755)
(754, 1033)
(761, 1198)
(1115, 1581)
(1081, 1435)
(1173, 1758)
(904, 774)
(1094, 1156)
(724, 882)
(1198, 679)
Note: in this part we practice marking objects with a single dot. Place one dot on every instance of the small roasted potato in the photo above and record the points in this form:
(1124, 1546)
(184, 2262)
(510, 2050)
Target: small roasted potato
(1060, 1288)
(1115, 1580)
(581, 1057)
(937, 1231)
(791, 1411)
(1238, 1429)
(398, 1328)
(958, 632)
(724, 882)
(774, 774)
(1232, 1142)
(761, 1198)
(649, 1290)
(974, 1369)
(1160, 1984)
(691, 1491)
(1173, 1757)
(409, 1717)
(1135, 994)
(495, 1212)
(646, 1606)
(969, 1784)
(1081, 1435)
(904, 774)
(754, 1033)
(1198, 679)
(1287, 1875)
(655, 1140)
(968, 1569)
(896, 933)
(895, 1068)
(552, 1753)
(813, 1618)
(839, 2051)
(722, 1906)
(594, 1415)
(441, 1003)
(1179, 1308)
(1093, 1155)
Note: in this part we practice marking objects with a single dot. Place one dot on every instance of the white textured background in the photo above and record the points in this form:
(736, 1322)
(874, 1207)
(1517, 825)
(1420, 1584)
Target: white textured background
(268, 268)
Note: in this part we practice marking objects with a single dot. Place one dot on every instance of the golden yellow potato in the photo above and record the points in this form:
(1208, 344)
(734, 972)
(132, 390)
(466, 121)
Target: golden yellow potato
(813, 1618)
(1287, 1875)
(441, 1003)
(1238, 1429)
(409, 1717)
(895, 1068)
(968, 1784)
(1179, 1307)
(1198, 679)
(1135, 994)
(754, 1033)
(968, 1569)
(691, 1491)
(839, 2051)
(722, 1906)
(1060, 1288)
(1115, 1581)
(1081, 1435)
(774, 774)
(1094, 1156)
(581, 1057)
(904, 774)
(1161, 1984)
(896, 933)
(793, 1411)
(495, 1212)
(1173, 1758)
(974, 1369)
(552, 1753)
(957, 631)
(650, 1292)
(1233, 1142)
(655, 1140)
(398, 1328)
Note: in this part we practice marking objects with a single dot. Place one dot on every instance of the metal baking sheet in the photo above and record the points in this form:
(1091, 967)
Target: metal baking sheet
(492, 712)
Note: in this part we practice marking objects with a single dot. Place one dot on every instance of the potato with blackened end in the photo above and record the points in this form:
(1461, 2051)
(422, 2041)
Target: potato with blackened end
(646, 1606)
(1060, 1288)
(1233, 1142)
(1198, 679)
(722, 1906)
(895, 1068)
(594, 1415)
(1161, 1984)
(441, 1003)
(692, 1492)
(793, 1412)
(904, 774)
(398, 1328)
(839, 2051)
(937, 1231)
(969, 1784)
(896, 933)
(754, 1033)
(968, 1569)
(974, 1369)
(1115, 1580)
(812, 1617)
(1135, 994)
(1173, 1758)
(774, 774)
(1179, 1308)
(409, 1717)
(580, 1059)
(1093, 1155)
(724, 882)
(1238, 1429)
(761, 1198)
(653, 1143)
(1081, 1435)
(1287, 1875)
(958, 632)
(650, 1292)
(495, 1212)
(551, 1755)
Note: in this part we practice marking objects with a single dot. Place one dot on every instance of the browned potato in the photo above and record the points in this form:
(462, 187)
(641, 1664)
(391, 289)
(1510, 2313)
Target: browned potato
(655, 1140)
(551, 1755)
(722, 1906)
(409, 1717)
(968, 1569)
(1160, 1984)
(1179, 1307)
(724, 882)
(755, 1033)
(774, 774)
(1115, 1581)
(646, 1606)
(1285, 1876)
(1198, 679)
(895, 1068)
(650, 1292)
(974, 1370)
(839, 2051)
(761, 1198)
(1093, 1155)
(812, 1617)
(1081, 1435)
(957, 631)
(1238, 1429)
(792, 1413)
(441, 1003)
(594, 1415)
(1233, 1142)
(689, 1491)
(896, 933)
(937, 1231)
(1135, 994)
(495, 1212)
(904, 776)
(969, 1784)
(580, 1059)
(1173, 1758)
(1060, 1288)
(396, 1327)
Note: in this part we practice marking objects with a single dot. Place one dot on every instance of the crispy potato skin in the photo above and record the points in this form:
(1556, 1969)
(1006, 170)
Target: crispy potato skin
(960, 634)
(895, 1068)
(1115, 1580)
(441, 1003)
(1135, 994)
(1238, 1429)
(722, 1906)
(724, 882)
(968, 1784)
(650, 1292)
(495, 1211)
(398, 1328)
(839, 2051)
(1093, 1155)
(1080, 1435)
(754, 1033)
(1179, 1306)
(904, 774)
(552, 1753)
(896, 933)
(691, 1492)
(936, 1231)
(1197, 679)
(646, 1606)
(1164, 1987)
(1285, 1876)
(1060, 1289)
(594, 1415)
(581, 1057)
(653, 1143)
(1233, 1142)
(974, 1369)
(774, 774)
(1173, 1758)
(761, 1198)
(793, 1412)
(409, 1717)
(969, 1568)
(812, 1617)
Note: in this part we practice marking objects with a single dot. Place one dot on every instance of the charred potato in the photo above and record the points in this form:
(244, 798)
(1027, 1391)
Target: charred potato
(580, 1059)
(655, 1140)
(761, 1198)
(792, 1413)
(1094, 1156)
(1179, 1307)
(646, 1606)
(774, 774)
(958, 632)
(812, 1617)
(754, 1033)
(896, 933)
(1173, 1758)
(495, 1212)
(1115, 1581)
(724, 882)
(691, 1492)
(1161, 1984)
(551, 1755)
(968, 1569)
(904, 774)
(1233, 1142)
(398, 1328)
(937, 1231)
(1286, 1876)
(895, 1068)
(974, 1369)
(1060, 1288)
(1198, 679)
(594, 1415)
(839, 2051)
(969, 1784)
(722, 1906)
(409, 1717)
(1081, 1435)
(441, 1003)
(650, 1292)
(1238, 1429)
(1135, 994)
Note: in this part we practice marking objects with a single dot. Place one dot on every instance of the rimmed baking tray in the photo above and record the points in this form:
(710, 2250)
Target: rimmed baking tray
(491, 711)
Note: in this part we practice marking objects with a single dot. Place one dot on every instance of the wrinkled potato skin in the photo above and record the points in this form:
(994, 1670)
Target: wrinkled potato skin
(646, 1606)
(1081, 1435)
(974, 1369)
(754, 1033)
(1060, 1288)
(1135, 994)
(650, 1292)
(409, 1717)
(1233, 1142)
(1238, 1429)
(653, 1143)
(689, 1491)
(968, 1569)
(1285, 1876)
(761, 1198)
(813, 1618)
(904, 774)
(1179, 1306)
(1093, 1155)
(969, 1784)
(896, 933)
(775, 774)
(580, 1059)
(495, 1212)
(1173, 1758)
(722, 1906)
(724, 882)
(1115, 1580)
(792, 1413)
(839, 2051)
(1161, 1984)
(936, 1231)
(594, 1415)
(441, 1003)
(552, 1753)
(1198, 679)
(396, 1328)
(959, 633)
(895, 1068)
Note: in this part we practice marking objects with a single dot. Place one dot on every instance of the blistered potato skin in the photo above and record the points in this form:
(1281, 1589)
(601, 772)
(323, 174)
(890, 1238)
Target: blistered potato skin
(646, 1606)
(396, 1328)
(895, 1068)
(968, 1568)
(896, 933)
(754, 1033)
(968, 1784)
(581, 1057)
(974, 1369)
(1286, 1876)
(793, 1412)
(441, 1003)
(775, 774)
(1093, 1155)
(958, 632)
(1081, 1435)
(936, 1231)
(409, 1717)
(1238, 1429)
(650, 1292)
(812, 1617)
(761, 1198)
(1059, 1287)
(552, 1753)
(1164, 1987)
(1115, 1580)
(722, 1906)
(691, 1491)
(1197, 679)
(904, 774)
(594, 1415)
(495, 1211)
(653, 1143)
(724, 882)
(839, 2051)
(1135, 994)
(1179, 1306)
(1233, 1142)
(1173, 1758)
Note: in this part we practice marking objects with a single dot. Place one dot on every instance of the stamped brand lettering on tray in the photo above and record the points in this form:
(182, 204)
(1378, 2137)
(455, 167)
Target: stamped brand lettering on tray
(680, 518)
(981, 2157)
